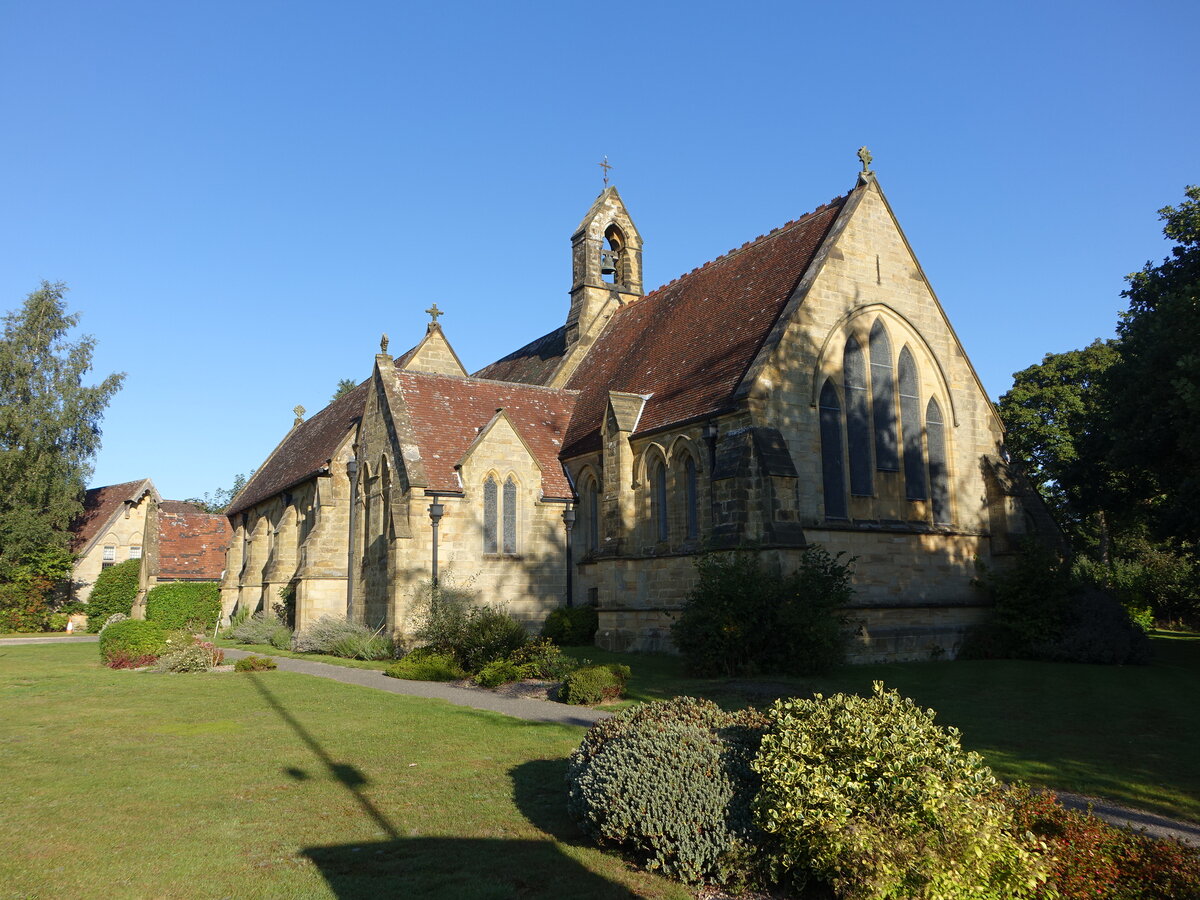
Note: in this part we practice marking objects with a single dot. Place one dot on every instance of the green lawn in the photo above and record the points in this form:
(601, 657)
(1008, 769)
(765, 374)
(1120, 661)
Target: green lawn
(124, 784)
(1130, 733)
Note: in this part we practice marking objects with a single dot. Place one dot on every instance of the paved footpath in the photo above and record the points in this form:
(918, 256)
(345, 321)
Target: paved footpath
(561, 713)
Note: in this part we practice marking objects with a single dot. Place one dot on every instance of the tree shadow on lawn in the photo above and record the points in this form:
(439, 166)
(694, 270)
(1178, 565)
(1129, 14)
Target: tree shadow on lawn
(453, 867)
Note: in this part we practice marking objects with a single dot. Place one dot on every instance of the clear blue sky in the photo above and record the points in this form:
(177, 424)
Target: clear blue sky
(243, 195)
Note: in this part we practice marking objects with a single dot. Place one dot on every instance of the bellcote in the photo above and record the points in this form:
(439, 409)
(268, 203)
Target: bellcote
(606, 266)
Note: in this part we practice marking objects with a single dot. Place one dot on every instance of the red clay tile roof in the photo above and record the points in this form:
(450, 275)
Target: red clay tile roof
(448, 412)
(191, 543)
(99, 505)
(532, 364)
(690, 342)
(178, 506)
(307, 448)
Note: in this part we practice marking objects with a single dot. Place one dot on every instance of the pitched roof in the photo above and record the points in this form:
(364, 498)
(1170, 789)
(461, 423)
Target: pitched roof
(305, 450)
(100, 505)
(689, 343)
(447, 413)
(532, 364)
(191, 542)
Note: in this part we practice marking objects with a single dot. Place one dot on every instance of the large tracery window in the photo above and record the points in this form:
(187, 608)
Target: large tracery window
(591, 515)
(880, 409)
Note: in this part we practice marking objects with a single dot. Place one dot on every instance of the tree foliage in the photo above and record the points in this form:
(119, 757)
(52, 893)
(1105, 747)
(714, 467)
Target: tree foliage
(49, 424)
(218, 501)
(345, 386)
(1155, 385)
(1055, 418)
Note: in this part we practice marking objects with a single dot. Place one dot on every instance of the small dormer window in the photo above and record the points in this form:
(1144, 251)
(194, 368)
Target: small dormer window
(612, 256)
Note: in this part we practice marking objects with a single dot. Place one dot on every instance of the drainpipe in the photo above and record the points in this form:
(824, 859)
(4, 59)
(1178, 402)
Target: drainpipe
(569, 520)
(352, 471)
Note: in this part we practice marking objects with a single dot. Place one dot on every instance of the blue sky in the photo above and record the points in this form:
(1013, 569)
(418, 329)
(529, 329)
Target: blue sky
(243, 195)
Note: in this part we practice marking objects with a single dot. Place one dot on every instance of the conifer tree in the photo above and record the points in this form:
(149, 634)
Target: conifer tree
(49, 424)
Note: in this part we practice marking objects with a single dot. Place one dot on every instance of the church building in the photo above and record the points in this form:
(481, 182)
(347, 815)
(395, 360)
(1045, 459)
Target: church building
(803, 388)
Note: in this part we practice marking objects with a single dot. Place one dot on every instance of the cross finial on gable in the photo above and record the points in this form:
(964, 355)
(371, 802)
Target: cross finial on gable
(605, 166)
(299, 412)
(434, 312)
(864, 156)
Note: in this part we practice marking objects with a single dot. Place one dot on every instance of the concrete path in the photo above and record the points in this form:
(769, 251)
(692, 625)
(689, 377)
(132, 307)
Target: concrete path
(51, 639)
(530, 710)
(1135, 819)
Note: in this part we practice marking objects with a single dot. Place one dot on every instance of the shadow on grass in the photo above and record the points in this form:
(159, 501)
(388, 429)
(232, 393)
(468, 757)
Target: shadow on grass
(460, 868)
(466, 868)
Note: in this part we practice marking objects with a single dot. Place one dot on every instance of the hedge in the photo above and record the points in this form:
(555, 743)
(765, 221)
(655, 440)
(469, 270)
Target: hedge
(182, 604)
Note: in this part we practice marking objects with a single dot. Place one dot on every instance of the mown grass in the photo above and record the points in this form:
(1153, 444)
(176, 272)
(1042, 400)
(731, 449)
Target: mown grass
(1129, 733)
(125, 784)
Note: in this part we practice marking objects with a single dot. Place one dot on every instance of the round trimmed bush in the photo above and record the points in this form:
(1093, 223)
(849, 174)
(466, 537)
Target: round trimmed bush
(671, 782)
(426, 665)
(875, 799)
(594, 684)
(132, 640)
(114, 592)
(180, 604)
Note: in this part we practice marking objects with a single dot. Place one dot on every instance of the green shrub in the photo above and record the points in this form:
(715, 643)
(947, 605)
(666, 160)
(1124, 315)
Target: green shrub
(337, 637)
(1042, 610)
(440, 614)
(180, 604)
(741, 619)
(1091, 859)
(671, 782)
(57, 621)
(239, 617)
(594, 684)
(262, 628)
(543, 659)
(198, 656)
(498, 672)
(427, 665)
(132, 638)
(572, 626)
(1153, 583)
(114, 592)
(872, 797)
(254, 664)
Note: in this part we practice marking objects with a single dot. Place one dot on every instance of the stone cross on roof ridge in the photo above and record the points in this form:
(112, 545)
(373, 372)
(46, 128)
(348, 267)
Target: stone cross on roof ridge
(605, 166)
(434, 312)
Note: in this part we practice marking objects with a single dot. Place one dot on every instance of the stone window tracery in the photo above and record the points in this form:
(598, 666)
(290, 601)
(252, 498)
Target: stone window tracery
(910, 428)
(858, 419)
(833, 466)
(691, 499)
(935, 436)
(883, 400)
(491, 502)
(510, 515)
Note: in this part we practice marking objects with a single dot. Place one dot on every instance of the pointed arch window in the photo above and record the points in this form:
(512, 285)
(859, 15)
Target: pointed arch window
(910, 427)
(939, 489)
(591, 515)
(883, 400)
(690, 498)
(491, 504)
(510, 515)
(658, 500)
(858, 419)
(833, 467)
(612, 256)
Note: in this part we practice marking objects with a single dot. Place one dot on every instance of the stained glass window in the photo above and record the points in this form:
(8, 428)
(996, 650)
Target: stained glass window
(510, 515)
(858, 420)
(690, 499)
(883, 400)
(833, 469)
(910, 428)
(935, 434)
(490, 504)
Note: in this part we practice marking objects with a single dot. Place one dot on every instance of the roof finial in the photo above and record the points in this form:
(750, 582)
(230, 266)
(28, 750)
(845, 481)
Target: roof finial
(299, 413)
(383, 343)
(434, 312)
(605, 166)
(865, 157)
